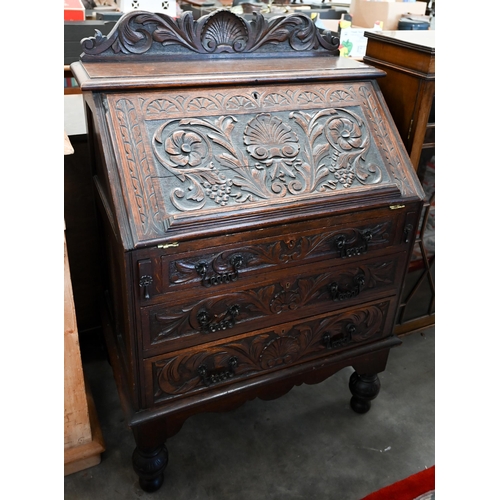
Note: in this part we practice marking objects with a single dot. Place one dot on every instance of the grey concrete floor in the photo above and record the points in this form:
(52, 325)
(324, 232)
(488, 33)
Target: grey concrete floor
(307, 444)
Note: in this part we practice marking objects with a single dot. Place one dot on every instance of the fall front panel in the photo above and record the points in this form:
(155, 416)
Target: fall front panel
(207, 152)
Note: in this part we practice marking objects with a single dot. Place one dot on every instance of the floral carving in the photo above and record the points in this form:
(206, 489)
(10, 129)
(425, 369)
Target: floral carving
(267, 157)
(344, 133)
(185, 148)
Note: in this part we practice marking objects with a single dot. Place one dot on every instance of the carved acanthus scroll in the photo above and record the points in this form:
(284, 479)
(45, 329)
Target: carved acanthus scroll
(157, 35)
(226, 160)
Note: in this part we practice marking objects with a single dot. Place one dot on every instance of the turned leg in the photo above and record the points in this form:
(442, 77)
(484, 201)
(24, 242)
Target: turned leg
(364, 388)
(150, 456)
(149, 466)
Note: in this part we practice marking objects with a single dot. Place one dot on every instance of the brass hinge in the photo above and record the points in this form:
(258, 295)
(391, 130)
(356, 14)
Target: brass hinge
(396, 207)
(169, 245)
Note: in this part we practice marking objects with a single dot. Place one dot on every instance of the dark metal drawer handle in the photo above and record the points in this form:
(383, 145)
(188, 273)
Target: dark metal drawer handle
(359, 283)
(227, 322)
(339, 341)
(145, 282)
(236, 262)
(218, 375)
(344, 251)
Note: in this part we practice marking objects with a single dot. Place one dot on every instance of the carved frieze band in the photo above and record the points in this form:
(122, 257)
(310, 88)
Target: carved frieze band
(240, 101)
(271, 350)
(264, 301)
(141, 34)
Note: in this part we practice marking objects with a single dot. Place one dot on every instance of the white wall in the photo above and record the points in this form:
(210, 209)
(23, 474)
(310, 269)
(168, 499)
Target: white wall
(74, 115)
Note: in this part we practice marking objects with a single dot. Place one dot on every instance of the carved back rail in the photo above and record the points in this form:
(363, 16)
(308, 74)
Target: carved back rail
(148, 35)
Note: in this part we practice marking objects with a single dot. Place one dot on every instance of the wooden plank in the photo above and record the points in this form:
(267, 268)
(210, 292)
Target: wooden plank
(87, 455)
(76, 415)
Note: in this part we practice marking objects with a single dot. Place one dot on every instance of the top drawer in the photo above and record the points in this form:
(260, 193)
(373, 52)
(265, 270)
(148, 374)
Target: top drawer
(221, 261)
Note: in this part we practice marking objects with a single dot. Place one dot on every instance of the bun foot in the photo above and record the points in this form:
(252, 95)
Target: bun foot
(364, 389)
(149, 466)
(149, 486)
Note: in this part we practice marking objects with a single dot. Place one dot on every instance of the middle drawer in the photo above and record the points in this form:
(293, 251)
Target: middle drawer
(298, 293)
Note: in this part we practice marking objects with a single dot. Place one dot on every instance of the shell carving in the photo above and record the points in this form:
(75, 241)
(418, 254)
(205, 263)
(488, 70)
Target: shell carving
(268, 137)
(281, 351)
(224, 33)
(273, 143)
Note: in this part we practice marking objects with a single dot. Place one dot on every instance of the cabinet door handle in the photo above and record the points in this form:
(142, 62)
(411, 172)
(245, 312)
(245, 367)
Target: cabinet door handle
(236, 262)
(218, 375)
(349, 293)
(228, 321)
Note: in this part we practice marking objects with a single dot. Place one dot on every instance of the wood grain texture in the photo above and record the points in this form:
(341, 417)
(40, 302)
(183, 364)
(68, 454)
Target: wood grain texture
(76, 415)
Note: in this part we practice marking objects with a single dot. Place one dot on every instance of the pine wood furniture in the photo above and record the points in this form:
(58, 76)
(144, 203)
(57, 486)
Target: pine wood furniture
(83, 441)
(258, 208)
(408, 58)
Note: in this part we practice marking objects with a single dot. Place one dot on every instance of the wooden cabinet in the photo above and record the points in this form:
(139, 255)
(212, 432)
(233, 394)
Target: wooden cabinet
(258, 208)
(408, 58)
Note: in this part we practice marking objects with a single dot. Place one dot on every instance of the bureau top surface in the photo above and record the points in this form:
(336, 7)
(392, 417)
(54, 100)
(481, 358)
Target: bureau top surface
(123, 75)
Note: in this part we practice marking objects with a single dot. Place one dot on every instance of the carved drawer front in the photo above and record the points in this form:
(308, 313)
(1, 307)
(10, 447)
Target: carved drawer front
(204, 367)
(287, 296)
(216, 268)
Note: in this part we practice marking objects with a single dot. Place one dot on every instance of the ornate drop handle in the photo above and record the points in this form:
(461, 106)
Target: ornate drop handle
(228, 322)
(338, 342)
(145, 282)
(359, 283)
(236, 262)
(218, 375)
(340, 243)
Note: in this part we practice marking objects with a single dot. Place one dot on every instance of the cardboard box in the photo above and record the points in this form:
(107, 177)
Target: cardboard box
(167, 7)
(328, 24)
(74, 10)
(365, 13)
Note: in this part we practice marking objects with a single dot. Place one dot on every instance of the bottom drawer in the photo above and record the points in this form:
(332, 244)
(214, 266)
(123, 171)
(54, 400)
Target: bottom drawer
(220, 363)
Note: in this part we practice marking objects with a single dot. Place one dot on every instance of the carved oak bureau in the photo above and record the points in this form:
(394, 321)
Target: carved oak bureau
(258, 210)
